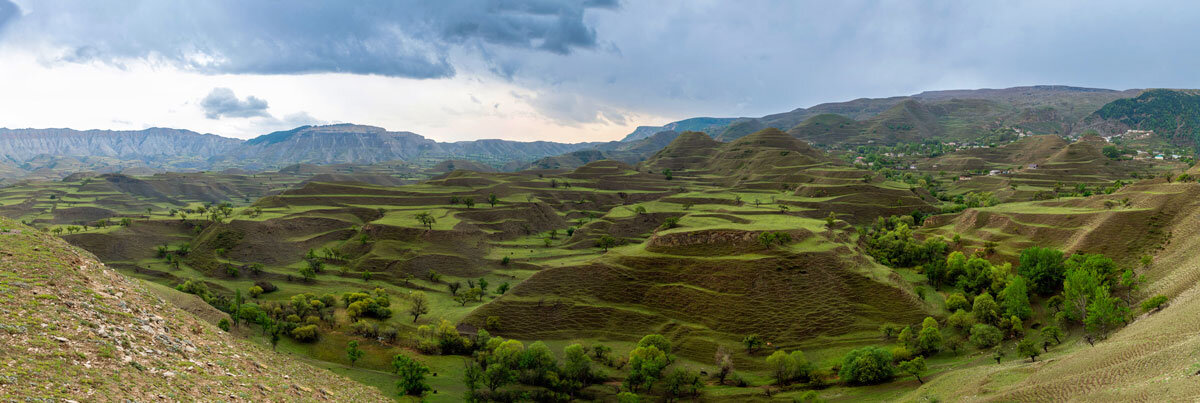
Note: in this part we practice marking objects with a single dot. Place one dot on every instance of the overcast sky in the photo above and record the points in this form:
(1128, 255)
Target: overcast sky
(580, 70)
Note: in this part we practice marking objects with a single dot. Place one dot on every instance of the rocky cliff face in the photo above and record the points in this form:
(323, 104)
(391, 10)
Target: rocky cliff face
(156, 144)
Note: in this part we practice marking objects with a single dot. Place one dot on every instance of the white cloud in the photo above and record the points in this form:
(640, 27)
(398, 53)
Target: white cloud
(222, 102)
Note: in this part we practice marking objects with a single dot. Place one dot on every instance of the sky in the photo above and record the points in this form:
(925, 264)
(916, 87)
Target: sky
(568, 71)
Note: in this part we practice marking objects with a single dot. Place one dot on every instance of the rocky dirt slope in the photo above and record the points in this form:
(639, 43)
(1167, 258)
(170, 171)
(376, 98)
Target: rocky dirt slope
(71, 328)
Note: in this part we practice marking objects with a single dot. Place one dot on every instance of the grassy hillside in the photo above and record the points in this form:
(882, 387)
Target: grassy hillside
(77, 330)
(1154, 357)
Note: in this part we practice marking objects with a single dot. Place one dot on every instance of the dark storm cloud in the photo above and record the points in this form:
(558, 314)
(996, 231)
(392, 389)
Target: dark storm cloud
(554, 26)
(409, 38)
(222, 102)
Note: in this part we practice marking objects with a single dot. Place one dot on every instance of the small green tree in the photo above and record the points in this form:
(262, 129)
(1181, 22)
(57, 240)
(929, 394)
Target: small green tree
(412, 375)
(961, 321)
(497, 375)
(957, 301)
(309, 273)
(1154, 303)
(682, 382)
(752, 342)
(1016, 298)
(426, 219)
(470, 295)
(1029, 347)
(985, 309)
(1051, 332)
(419, 305)
(889, 330)
(492, 199)
(472, 379)
(788, 367)
(984, 335)
(781, 365)
(223, 324)
(656, 340)
(907, 337)
(577, 366)
(866, 365)
(645, 366)
(305, 333)
(1104, 312)
(914, 367)
(606, 241)
(353, 353)
(929, 341)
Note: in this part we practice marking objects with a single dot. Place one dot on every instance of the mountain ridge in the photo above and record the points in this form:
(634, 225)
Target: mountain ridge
(1035, 107)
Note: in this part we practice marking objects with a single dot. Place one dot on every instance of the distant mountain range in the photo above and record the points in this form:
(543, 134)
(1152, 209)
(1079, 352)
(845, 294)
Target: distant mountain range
(54, 153)
(961, 115)
(954, 114)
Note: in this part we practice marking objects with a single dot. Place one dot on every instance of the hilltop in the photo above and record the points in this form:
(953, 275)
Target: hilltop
(75, 329)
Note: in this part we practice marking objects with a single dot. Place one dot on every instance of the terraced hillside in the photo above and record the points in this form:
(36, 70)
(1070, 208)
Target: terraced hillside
(1154, 357)
(771, 160)
(1039, 166)
(84, 198)
(74, 329)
